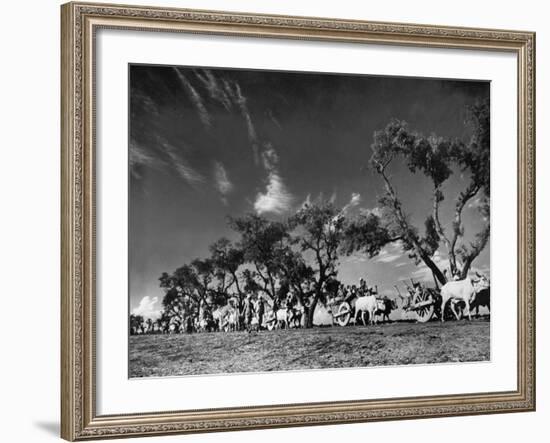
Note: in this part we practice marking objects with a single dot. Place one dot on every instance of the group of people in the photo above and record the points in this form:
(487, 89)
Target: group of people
(260, 311)
(255, 311)
(360, 290)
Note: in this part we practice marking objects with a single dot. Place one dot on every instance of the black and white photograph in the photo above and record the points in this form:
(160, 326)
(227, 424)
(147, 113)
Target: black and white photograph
(315, 221)
(283, 221)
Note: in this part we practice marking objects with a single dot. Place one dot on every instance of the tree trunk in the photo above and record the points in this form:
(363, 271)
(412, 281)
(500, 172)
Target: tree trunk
(402, 221)
(310, 312)
(435, 270)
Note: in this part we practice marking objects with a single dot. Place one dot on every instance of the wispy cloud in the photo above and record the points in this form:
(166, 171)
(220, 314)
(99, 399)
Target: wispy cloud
(163, 155)
(230, 95)
(354, 201)
(355, 258)
(234, 91)
(274, 119)
(214, 88)
(276, 198)
(222, 182)
(270, 158)
(185, 171)
(390, 253)
(140, 156)
(148, 308)
(195, 98)
(182, 166)
(385, 257)
(146, 102)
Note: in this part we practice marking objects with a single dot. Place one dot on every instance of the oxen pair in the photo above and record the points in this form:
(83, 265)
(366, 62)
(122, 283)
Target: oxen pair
(287, 318)
(462, 291)
(370, 306)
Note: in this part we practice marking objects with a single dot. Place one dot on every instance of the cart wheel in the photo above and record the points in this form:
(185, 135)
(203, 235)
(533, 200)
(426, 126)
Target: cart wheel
(425, 313)
(344, 314)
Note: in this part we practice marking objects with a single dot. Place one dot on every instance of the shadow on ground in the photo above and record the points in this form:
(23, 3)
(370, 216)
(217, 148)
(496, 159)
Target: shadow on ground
(49, 427)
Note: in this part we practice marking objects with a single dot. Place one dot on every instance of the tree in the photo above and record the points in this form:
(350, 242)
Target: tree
(319, 232)
(262, 242)
(437, 158)
(366, 233)
(186, 288)
(227, 259)
(204, 278)
(136, 324)
(176, 307)
(297, 274)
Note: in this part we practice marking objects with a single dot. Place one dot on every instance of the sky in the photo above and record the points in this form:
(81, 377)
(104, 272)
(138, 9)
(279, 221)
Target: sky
(207, 143)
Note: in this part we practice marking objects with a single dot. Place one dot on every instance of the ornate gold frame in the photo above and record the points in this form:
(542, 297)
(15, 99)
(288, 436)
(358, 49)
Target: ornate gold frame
(79, 21)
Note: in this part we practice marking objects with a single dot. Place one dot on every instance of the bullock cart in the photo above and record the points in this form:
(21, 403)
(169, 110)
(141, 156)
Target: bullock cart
(282, 318)
(279, 317)
(425, 303)
(343, 309)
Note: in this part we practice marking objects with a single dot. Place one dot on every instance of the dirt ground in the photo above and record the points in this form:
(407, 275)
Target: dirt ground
(399, 343)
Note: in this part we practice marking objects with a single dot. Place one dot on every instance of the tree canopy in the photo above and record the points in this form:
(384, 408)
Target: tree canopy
(437, 158)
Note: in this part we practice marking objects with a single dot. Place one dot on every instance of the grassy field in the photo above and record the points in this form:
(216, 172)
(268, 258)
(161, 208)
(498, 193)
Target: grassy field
(329, 347)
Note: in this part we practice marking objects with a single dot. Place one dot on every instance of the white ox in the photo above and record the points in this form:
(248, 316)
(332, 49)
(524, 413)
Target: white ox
(461, 290)
(282, 318)
(366, 305)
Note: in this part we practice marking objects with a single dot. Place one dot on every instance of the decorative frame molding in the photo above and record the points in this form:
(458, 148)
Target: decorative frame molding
(79, 21)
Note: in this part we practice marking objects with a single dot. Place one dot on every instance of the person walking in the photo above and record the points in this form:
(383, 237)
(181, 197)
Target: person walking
(260, 312)
(248, 311)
